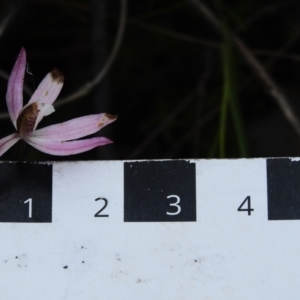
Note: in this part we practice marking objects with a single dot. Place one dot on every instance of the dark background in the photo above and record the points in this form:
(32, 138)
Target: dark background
(179, 85)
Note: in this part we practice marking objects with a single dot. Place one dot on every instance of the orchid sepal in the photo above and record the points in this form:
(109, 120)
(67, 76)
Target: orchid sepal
(67, 147)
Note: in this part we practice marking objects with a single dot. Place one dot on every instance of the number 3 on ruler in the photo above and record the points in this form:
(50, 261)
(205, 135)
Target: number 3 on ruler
(176, 204)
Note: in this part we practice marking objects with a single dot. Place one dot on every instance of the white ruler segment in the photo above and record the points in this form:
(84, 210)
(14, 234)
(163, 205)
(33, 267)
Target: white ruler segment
(224, 254)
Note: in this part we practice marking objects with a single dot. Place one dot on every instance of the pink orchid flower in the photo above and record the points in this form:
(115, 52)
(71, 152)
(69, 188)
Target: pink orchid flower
(56, 139)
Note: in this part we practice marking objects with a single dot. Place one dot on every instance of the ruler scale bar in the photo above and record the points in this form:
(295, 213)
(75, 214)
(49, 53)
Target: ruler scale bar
(171, 229)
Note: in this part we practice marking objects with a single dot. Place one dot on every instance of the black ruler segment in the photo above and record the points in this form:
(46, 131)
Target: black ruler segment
(283, 177)
(25, 192)
(157, 191)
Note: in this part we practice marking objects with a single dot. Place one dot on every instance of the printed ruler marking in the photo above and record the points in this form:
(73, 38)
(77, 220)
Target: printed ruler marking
(159, 191)
(25, 192)
(227, 248)
(154, 191)
(283, 178)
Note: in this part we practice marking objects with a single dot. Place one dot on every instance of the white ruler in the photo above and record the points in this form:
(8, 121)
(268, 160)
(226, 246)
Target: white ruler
(150, 230)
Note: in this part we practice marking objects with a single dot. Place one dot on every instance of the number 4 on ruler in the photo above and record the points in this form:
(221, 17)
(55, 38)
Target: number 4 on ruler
(248, 209)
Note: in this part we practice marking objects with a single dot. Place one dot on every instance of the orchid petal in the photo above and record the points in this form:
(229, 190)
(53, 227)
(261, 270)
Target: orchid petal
(14, 95)
(75, 128)
(49, 88)
(66, 148)
(8, 142)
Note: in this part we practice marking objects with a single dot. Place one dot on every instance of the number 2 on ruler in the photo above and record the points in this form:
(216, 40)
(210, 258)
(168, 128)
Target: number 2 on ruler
(98, 213)
(248, 209)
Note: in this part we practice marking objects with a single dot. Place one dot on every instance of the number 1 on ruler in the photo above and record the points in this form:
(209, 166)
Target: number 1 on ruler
(30, 206)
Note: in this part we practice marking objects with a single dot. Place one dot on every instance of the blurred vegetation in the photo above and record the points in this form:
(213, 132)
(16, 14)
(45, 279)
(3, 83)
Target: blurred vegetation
(178, 83)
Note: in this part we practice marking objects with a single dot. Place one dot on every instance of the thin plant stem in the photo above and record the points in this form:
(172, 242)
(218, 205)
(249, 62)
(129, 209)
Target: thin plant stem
(230, 98)
(225, 99)
(259, 70)
(239, 126)
(87, 88)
